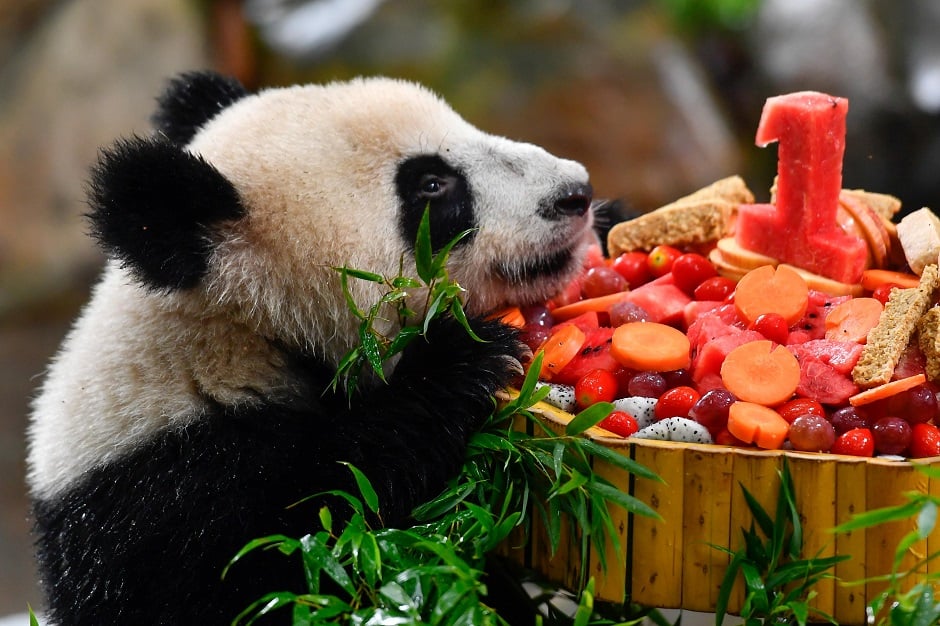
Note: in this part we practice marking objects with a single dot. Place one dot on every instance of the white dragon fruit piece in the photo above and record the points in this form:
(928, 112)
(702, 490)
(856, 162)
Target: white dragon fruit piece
(679, 429)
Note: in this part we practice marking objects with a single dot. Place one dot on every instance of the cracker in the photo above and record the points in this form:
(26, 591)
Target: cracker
(928, 338)
(699, 217)
(894, 331)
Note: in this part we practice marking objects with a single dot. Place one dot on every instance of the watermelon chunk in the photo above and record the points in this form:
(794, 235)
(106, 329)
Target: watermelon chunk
(664, 302)
(708, 357)
(840, 355)
(810, 129)
(821, 382)
(595, 354)
(813, 323)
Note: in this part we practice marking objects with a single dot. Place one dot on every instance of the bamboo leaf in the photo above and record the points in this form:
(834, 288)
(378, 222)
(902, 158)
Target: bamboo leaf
(760, 515)
(456, 309)
(879, 516)
(404, 282)
(263, 543)
(440, 259)
(369, 496)
(372, 352)
(619, 460)
(577, 480)
(623, 500)
(423, 255)
(326, 520)
(588, 417)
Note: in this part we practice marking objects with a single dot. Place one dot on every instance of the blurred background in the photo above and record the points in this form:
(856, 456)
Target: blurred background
(656, 97)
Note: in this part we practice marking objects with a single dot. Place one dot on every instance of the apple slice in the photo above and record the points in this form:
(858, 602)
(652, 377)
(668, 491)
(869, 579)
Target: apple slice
(734, 254)
(873, 229)
(827, 285)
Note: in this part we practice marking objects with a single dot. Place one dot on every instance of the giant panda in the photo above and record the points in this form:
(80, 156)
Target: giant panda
(190, 405)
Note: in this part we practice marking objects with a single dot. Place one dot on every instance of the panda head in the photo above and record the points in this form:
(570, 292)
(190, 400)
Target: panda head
(241, 205)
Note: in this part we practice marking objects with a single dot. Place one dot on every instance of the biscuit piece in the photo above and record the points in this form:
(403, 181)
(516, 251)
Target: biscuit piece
(928, 338)
(881, 203)
(700, 217)
(894, 331)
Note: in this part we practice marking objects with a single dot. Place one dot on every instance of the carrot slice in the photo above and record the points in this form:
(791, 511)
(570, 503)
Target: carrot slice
(559, 349)
(650, 346)
(887, 390)
(771, 290)
(511, 315)
(598, 305)
(758, 424)
(762, 372)
(853, 319)
(872, 279)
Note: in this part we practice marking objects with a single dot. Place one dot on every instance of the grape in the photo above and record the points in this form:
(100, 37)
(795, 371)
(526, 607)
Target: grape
(917, 405)
(678, 378)
(601, 281)
(847, 418)
(812, 433)
(647, 385)
(624, 312)
(534, 338)
(892, 435)
(711, 410)
(537, 316)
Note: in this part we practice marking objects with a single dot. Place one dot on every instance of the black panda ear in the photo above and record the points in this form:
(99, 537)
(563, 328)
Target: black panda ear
(153, 206)
(192, 99)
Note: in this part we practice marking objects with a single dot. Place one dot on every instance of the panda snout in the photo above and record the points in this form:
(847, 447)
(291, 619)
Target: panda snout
(570, 201)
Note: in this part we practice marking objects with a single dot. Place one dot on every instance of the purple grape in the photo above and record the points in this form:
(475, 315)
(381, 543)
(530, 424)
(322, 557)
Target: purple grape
(812, 433)
(624, 312)
(711, 410)
(646, 385)
(678, 378)
(534, 338)
(847, 418)
(892, 435)
(537, 316)
(917, 405)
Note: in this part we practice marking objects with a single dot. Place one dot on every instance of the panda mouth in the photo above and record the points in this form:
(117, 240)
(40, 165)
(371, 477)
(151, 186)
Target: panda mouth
(528, 270)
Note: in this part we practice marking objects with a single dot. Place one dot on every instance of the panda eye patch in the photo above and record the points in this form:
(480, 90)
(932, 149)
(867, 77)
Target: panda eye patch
(428, 182)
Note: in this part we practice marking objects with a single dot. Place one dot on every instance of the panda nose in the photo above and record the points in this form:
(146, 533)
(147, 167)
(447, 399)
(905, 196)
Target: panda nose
(573, 201)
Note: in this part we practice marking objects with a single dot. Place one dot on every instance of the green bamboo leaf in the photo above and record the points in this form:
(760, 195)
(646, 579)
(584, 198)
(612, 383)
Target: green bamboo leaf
(456, 309)
(440, 259)
(405, 282)
(623, 500)
(756, 591)
(32, 616)
(326, 519)
(369, 558)
(727, 584)
(369, 496)
(264, 606)
(760, 515)
(927, 519)
(619, 460)
(800, 612)
(879, 516)
(401, 340)
(582, 616)
(281, 542)
(371, 277)
(588, 417)
(576, 481)
(350, 302)
(373, 352)
(423, 256)
(317, 558)
(558, 456)
(434, 309)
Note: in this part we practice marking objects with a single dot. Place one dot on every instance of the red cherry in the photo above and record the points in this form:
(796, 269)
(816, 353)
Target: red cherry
(596, 386)
(661, 258)
(620, 423)
(715, 288)
(855, 442)
(925, 441)
(882, 292)
(772, 326)
(676, 402)
(632, 266)
(690, 270)
(800, 406)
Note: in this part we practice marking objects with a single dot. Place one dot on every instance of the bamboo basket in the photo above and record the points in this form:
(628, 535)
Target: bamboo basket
(670, 563)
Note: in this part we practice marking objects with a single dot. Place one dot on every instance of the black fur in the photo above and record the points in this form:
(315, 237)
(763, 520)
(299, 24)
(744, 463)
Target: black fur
(153, 206)
(192, 99)
(427, 181)
(144, 540)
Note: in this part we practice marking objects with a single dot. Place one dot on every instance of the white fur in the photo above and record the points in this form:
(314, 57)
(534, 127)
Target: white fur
(315, 167)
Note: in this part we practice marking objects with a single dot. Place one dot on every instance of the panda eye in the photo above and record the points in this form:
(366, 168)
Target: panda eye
(431, 186)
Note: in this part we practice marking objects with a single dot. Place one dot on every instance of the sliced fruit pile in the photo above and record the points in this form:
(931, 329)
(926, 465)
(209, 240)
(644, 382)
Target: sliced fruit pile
(809, 323)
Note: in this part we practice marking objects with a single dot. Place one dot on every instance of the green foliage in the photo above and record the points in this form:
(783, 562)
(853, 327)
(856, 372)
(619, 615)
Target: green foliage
(432, 572)
(919, 606)
(443, 296)
(778, 581)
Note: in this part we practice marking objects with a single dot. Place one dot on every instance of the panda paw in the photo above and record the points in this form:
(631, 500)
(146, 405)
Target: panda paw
(448, 352)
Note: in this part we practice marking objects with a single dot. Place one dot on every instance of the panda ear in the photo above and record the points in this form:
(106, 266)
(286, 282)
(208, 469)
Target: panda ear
(192, 99)
(153, 206)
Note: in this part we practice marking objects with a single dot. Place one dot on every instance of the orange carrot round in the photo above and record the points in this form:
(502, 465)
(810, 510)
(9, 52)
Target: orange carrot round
(598, 305)
(560, 347)
(871, 279)
(761, 372)
(757, 424)
(510, 315)
(650, 346)
(887, 390)
(771, 290)
(853, 319)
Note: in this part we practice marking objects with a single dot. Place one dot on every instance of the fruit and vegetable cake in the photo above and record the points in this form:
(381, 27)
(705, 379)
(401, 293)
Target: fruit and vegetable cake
(809, 322)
